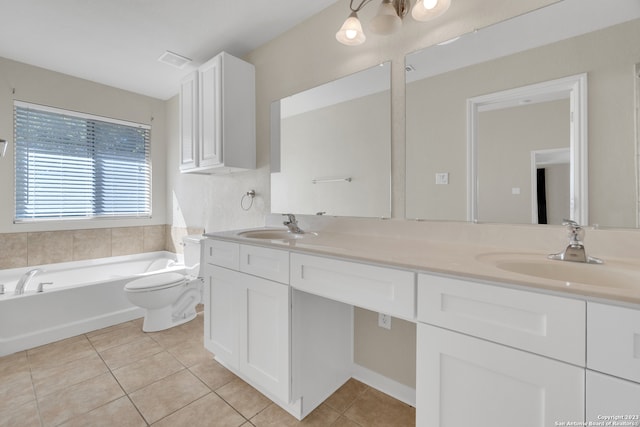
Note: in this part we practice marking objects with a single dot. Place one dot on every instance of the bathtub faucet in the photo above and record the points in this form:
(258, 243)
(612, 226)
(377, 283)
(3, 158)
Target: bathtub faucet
(25, 279)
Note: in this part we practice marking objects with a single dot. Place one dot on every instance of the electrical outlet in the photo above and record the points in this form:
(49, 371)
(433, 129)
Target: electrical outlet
(384, 321)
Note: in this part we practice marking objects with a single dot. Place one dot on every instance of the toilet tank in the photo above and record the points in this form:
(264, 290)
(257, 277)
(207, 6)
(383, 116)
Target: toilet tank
(191, 245)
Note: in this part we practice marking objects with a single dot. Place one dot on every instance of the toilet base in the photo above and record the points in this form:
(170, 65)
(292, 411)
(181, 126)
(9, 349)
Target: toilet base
(161, 319)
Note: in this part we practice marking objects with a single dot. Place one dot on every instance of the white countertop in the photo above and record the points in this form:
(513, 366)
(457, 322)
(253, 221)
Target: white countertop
(460, 258)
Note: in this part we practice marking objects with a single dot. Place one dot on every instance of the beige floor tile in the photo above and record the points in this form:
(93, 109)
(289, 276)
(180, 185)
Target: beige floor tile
(166, 396)
(25, 415)
(376, 409)
(13, 363)
(346, 395)
(116, 337)
(213, 374)
(244, 398)
(345, 422)
(60, 352)
(109, 329)
(179, 334)
(78, 399)
(275, 416)
(145, 371)
(55, 378)
(209, 411)
(191, 352)
(122, 355)
(16, 390)
(120, 412)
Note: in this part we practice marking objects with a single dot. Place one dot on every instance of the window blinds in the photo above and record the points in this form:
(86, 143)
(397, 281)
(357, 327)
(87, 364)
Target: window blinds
(74, 165)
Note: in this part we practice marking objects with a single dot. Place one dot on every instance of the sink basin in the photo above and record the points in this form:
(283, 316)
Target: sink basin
(274, 234)
(611, 274)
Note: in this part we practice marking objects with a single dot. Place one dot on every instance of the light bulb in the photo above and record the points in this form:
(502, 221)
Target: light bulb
(351, 33)
(426, 10)
(429, 4)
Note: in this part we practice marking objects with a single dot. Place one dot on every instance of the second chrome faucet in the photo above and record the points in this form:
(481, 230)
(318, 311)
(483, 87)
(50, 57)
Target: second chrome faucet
(575, 251)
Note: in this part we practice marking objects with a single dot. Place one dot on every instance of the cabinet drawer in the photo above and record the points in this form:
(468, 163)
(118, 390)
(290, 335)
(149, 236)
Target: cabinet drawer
(375, 288)
(613, 340)
(267, 263)
(544, 324)
(221, 253)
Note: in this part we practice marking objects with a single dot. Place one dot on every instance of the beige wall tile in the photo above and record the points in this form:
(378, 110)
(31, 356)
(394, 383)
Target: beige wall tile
(13, 250)
(127, 241)
(91, 243)
(49, 247)
(154, 238)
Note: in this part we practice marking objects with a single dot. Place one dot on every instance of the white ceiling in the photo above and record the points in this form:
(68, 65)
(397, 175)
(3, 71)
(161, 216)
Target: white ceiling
(118, 42)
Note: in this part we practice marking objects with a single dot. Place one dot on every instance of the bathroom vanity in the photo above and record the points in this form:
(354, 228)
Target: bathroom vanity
(494, 347)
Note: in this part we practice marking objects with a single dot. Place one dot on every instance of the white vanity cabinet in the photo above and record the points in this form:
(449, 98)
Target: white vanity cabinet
(247, 319)
(493, 356)
(217, 117)
(613, 363)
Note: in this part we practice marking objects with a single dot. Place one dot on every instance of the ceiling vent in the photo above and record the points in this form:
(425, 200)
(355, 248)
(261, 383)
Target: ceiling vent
(174, 59)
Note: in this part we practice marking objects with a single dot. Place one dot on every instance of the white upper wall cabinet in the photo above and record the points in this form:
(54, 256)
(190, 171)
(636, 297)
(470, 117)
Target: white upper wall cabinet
(217, 117)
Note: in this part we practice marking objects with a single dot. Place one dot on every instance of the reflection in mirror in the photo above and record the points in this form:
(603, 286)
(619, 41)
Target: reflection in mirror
(568, 38)
(527, 154)
(335, 148)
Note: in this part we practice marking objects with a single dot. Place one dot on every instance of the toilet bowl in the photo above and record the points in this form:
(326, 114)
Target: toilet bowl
(170, 299)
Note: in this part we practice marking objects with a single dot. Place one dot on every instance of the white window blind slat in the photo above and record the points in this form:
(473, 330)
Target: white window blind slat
(74, 165)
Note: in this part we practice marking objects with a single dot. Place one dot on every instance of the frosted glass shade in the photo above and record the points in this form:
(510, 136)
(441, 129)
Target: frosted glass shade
(386, 20)
(426, 10)
(351, 32)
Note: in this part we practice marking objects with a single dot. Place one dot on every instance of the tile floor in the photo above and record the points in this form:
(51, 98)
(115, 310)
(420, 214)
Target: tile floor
(121, 376)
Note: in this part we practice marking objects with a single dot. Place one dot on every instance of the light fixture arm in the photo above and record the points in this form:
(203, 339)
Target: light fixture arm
(362, 4)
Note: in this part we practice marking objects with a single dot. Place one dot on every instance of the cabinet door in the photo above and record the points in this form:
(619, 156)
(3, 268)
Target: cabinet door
(264, 336)
(210, 138)
(223, 293)
(609, 397)
(189, 121)
(463, 381)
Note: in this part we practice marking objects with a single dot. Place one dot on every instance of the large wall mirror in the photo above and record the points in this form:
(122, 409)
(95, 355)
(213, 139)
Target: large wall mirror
(467, 159)
(331, 147)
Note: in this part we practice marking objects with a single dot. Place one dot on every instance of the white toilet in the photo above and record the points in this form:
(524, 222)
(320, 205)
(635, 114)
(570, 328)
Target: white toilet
(170, 298)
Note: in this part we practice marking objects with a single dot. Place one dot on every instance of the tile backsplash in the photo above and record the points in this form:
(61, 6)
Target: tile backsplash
(37, 248)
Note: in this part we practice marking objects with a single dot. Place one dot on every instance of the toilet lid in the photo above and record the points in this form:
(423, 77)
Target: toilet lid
(155, 282)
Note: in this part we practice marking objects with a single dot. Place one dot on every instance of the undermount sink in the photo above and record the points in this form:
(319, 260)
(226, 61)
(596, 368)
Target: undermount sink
(274, 234)
(611, 274)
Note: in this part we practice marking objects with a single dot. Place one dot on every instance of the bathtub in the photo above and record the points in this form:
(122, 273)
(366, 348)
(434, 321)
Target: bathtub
(84, 296)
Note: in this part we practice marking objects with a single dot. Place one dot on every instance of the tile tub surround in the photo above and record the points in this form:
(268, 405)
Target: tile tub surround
(47, 247)
(123, 376)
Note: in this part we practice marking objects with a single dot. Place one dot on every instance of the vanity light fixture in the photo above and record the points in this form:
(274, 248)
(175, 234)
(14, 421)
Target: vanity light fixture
(388, 19)
(3, 147)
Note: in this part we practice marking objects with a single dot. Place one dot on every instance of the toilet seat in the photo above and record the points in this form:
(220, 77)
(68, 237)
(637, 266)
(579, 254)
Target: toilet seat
(155, 282)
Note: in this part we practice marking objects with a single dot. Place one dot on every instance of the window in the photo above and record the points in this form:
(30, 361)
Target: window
(71, 165)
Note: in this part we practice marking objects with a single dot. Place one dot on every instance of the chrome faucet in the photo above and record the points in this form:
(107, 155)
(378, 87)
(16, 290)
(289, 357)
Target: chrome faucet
(575, 250)
(292, 224)
(25, 279)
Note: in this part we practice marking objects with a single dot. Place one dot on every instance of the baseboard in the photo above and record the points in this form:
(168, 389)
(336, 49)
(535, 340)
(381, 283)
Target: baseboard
(386, 385)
